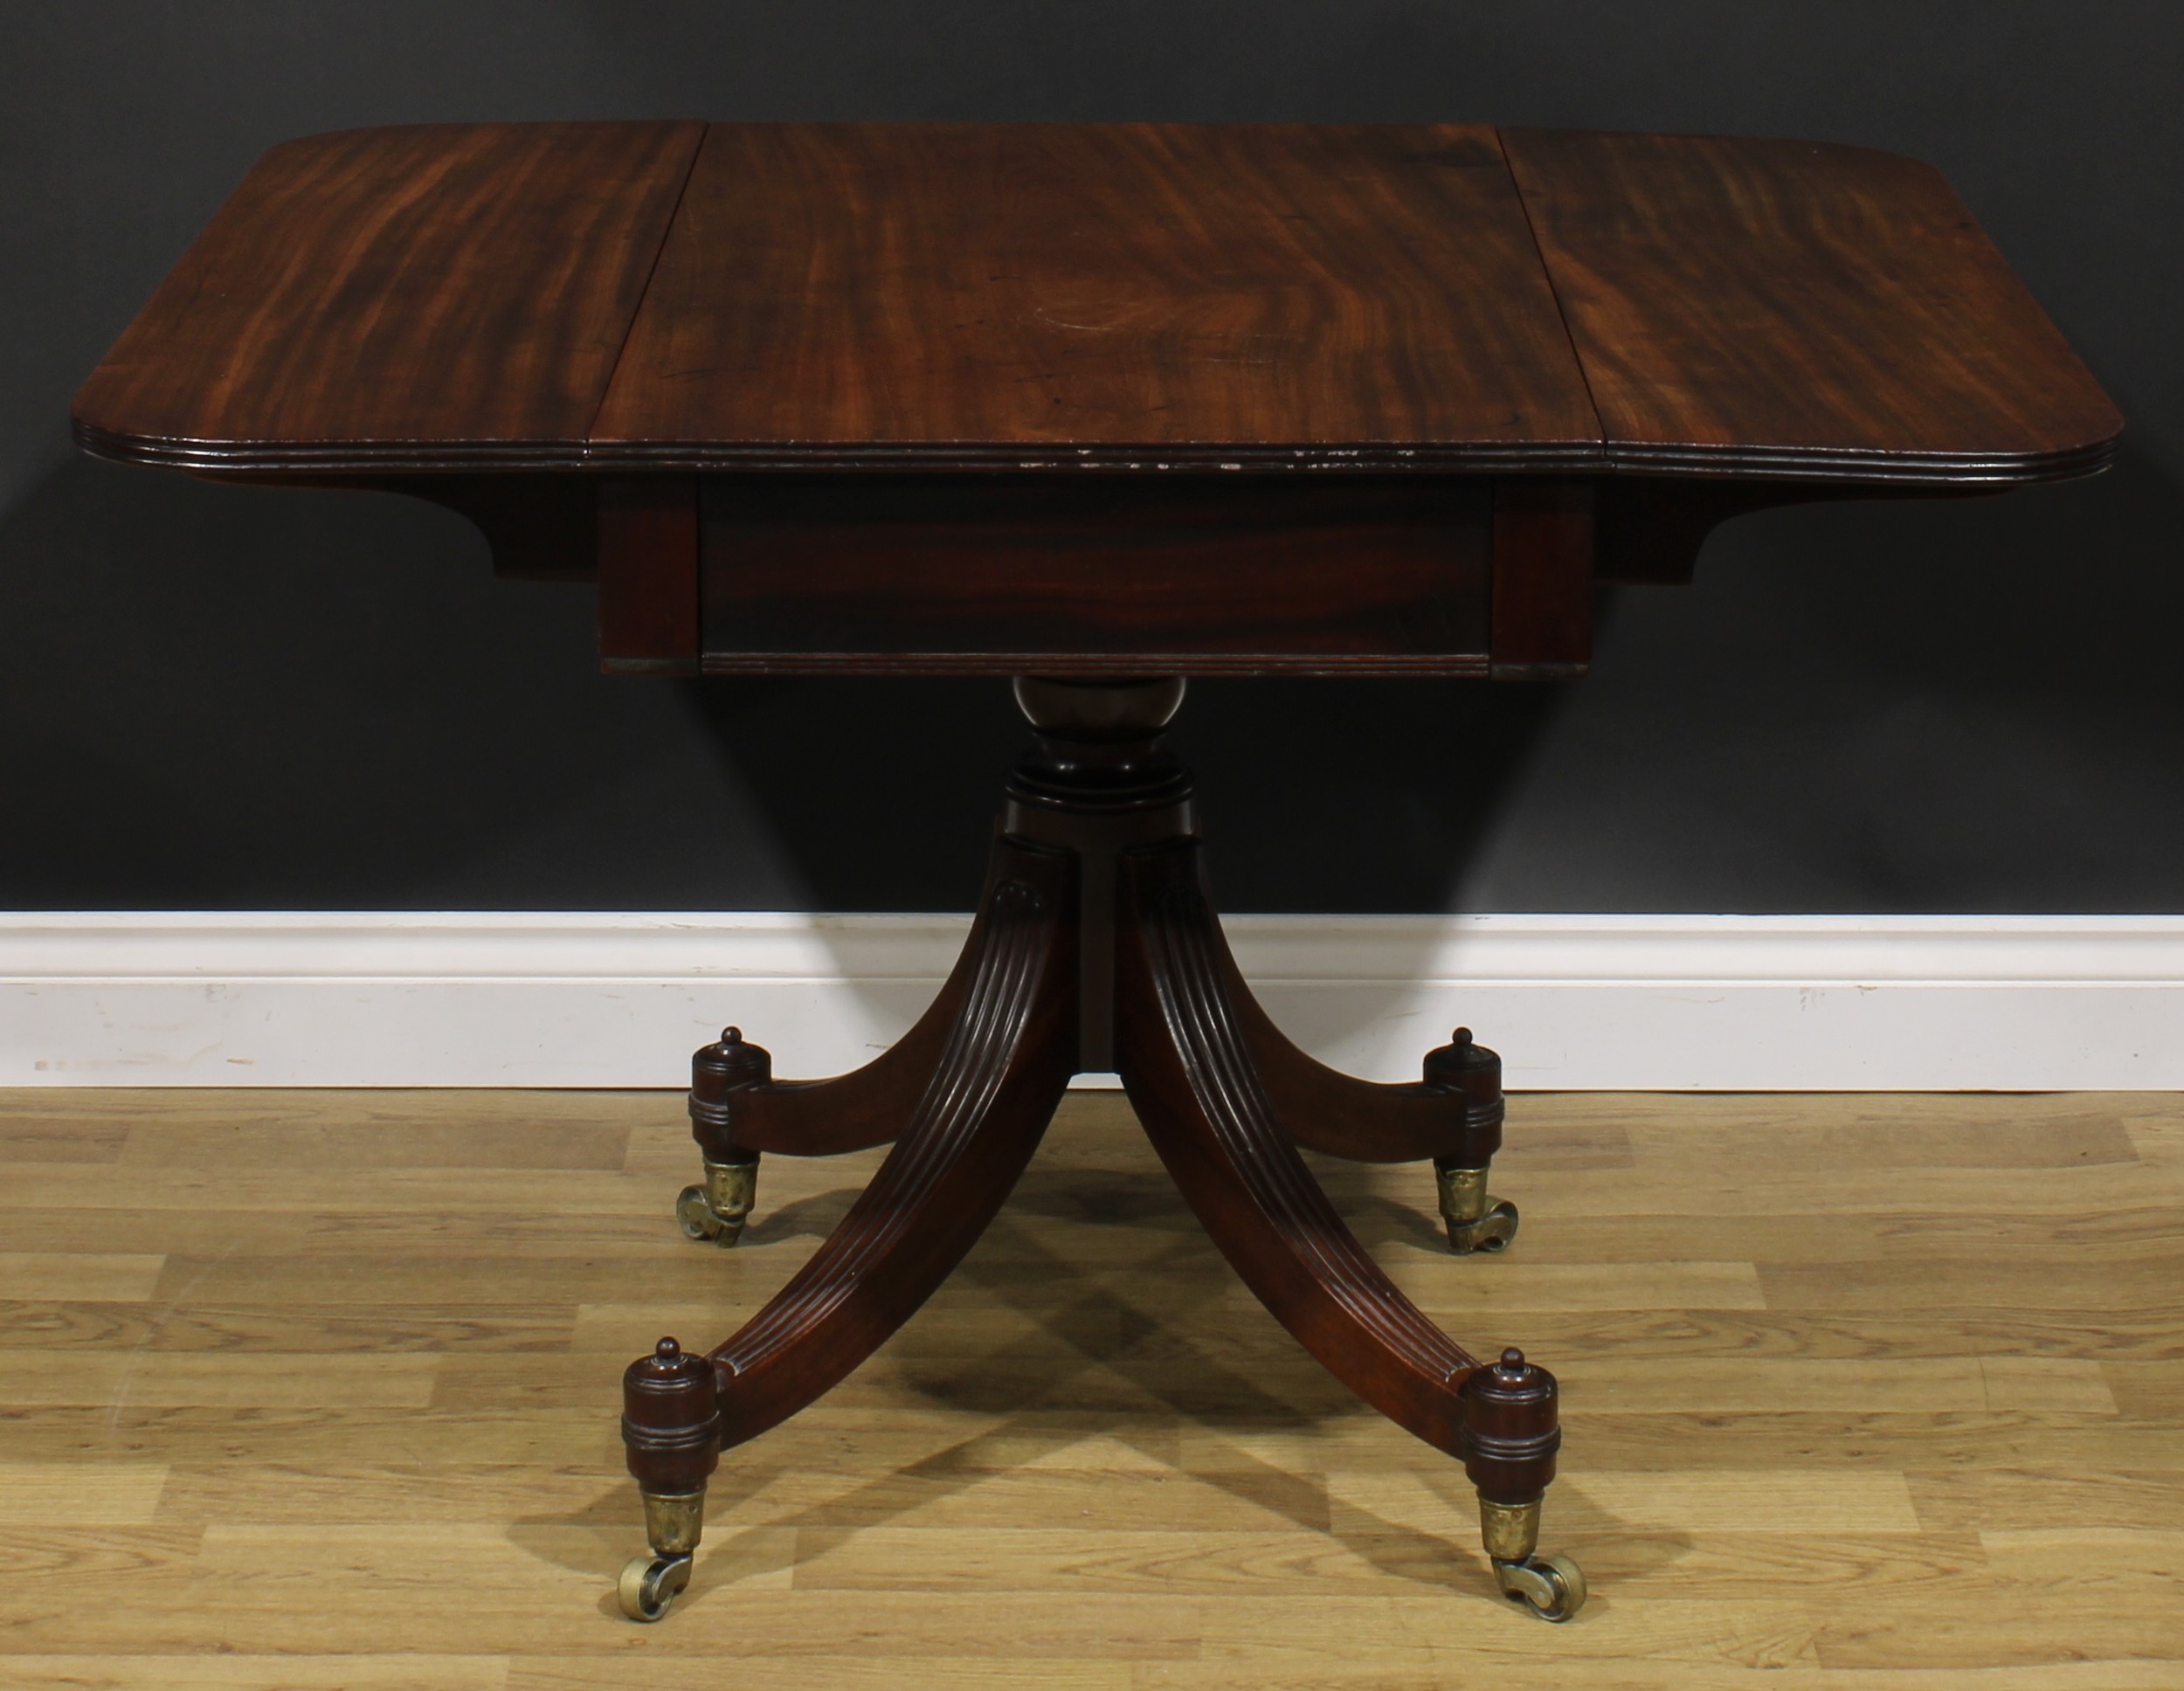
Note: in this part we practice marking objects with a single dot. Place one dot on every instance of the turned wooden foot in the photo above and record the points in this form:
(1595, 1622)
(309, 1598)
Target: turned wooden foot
(671, 1433)
(1511, 1434)
(716, 1208)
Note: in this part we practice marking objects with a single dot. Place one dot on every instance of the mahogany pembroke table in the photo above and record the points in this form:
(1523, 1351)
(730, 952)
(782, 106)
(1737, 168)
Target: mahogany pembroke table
(1101, 408)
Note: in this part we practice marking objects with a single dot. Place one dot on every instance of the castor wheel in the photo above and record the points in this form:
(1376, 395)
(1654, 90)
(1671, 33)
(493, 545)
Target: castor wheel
(697, 1219)
(650, 1584)
(1477, 1221)
(1552, 1586)
(1491, 1231)
(717, 1209)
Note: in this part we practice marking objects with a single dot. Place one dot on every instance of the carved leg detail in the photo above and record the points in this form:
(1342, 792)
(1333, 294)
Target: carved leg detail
(1004, 1067)
(1455, 1112)
(738, 1110)
(1193, 1077)
(1453, 1115)
(1095, 945)
(850, 1112)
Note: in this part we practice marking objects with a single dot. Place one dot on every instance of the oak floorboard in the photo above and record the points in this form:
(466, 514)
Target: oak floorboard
(71, 1323)
(80, 1494)
(1924, 1434)
(227, 1671)
(98, 1276)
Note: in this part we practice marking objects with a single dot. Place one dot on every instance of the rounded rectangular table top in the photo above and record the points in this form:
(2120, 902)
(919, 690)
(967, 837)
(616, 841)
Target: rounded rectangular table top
(1128, 297)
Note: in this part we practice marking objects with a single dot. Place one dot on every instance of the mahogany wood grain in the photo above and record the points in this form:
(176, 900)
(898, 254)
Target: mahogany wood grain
(1048, 574)
(437, 297)
(1124, 296)
(984, 1107)
(1062, 296)
(1750, 307)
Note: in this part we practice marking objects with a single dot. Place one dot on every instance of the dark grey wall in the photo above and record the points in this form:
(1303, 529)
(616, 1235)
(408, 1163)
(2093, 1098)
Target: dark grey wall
(214, 697)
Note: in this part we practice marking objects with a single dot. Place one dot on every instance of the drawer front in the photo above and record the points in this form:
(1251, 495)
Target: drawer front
(1178, 574)
(1095, 573)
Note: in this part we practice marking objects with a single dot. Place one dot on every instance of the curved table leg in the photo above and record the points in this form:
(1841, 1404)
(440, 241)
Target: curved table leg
(1453, 1115)
(1193, 1076)
(738, 1110)
(1003, 1065)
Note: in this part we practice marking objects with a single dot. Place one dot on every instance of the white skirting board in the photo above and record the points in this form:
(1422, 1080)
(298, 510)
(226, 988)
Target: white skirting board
(1572, 1002)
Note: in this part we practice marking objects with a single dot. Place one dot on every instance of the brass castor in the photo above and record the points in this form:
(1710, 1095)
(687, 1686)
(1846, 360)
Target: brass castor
(1552, 1586)
(1511, 1432)
(650, 1584)
(671, 1432)
(717, 1209)
(1477, 1221)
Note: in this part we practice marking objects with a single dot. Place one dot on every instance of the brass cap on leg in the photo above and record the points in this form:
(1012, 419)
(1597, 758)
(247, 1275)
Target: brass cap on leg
(1476, 1221)
(674, 1520)
(1510, 1530)
(730, 1189)
(718, 1209)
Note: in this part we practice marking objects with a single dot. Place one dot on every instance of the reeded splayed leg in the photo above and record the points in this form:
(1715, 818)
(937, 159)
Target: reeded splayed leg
(1193, 1076)
(1005, 1062)
(738, 1110)
(1454, 1115)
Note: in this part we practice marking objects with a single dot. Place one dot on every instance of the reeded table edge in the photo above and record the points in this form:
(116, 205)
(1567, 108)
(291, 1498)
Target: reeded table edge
(1790, 464)
(1855, 463)
(649, 455)
(168, 452)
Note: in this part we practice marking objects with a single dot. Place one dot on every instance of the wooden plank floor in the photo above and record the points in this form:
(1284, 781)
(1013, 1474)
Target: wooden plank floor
(319, 1390)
